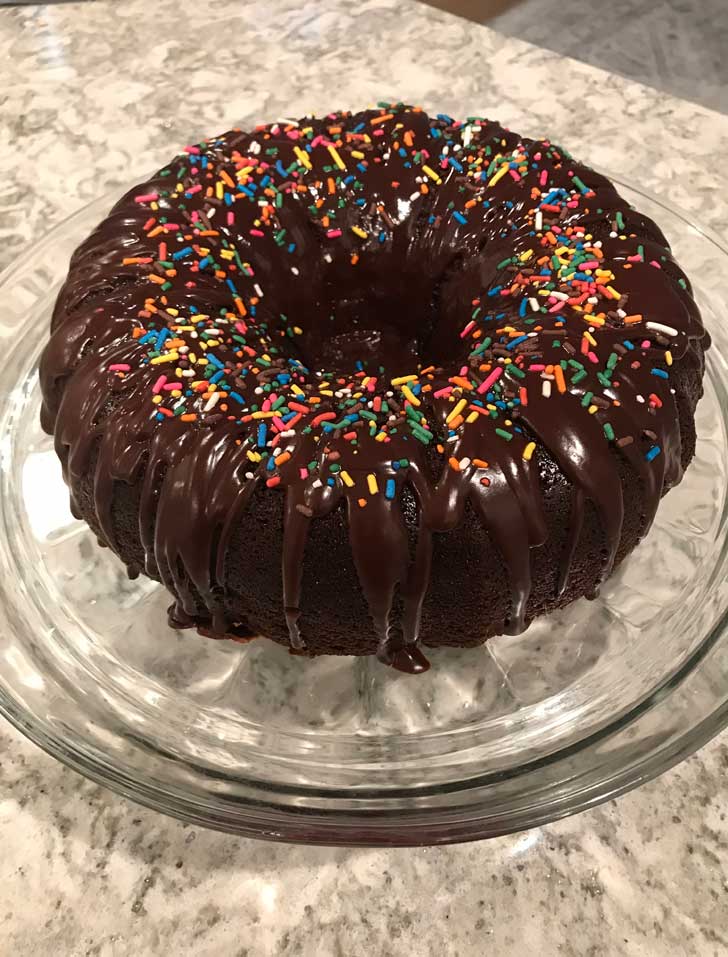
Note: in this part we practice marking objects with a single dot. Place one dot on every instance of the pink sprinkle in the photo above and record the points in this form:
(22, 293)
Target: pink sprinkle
(230, 218)
(316, 140)
(536, 367)
(634, 259)
(194, 170)
(333, 233)
(279, 423)
(591, 356)
(516, 176)
(159, 384)
(194, 189)
(119, 367)
(303, 473)
(266, 406)
(194, 150)
(371, 385)
(442, 392)
(544, 177)
(463, 371)
(292, 134)
(256, 232)
(573, 203)
(592, 264)
(467, 329)
(655, 264)
(646, 344)
(491, 380)
(169, 386)
(558, 307)
(241, 327)
(146, 197)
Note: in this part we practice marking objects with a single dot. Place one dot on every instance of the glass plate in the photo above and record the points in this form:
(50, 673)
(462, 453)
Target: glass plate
(586, 704)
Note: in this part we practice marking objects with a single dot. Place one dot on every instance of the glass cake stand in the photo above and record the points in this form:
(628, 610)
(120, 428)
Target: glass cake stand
(585, 705)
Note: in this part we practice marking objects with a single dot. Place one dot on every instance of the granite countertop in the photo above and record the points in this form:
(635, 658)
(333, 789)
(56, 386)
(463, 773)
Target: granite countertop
(91, 93)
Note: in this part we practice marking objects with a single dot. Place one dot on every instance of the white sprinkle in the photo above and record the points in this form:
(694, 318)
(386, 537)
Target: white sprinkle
(417, 194)
(659, 327)
(295, 270)
(317, 483)
(563, 296)
(254, 147)
(539, 221)
(640, 398)
(533, 303)
(327, 257)
(464, 462)
(212, 402)
(546, 389)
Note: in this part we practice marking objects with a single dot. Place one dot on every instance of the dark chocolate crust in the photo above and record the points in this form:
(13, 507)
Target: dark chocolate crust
(526, 414)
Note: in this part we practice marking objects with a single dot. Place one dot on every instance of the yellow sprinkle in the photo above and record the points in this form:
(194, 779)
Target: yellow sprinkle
(219, 189)
(409, 394)
(302, 157)
(498, 175)
(432, 174)
(358, 231)
(296, 390)
(472, 417)
(372, 483)
(226, 254)
(380, 437)
(263, 415)
(590, 338)
(454, 413)
(298, 330)
(336, 158)
(357, 154)
(524, 257)
(347, 479)
(156, 399)
(592, 409)
(668, 358)
(326, 392)
(403, 379)
(170, 357)
(529, 450)
(253, 456)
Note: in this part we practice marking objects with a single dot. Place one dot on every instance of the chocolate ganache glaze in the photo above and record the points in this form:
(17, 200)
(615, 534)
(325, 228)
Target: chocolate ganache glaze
(438, 373)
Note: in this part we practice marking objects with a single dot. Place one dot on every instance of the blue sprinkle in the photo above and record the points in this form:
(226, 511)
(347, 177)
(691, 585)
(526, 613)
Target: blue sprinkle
(459, 217)
(390, 489)
(218, 375)
(330, 481)
(262, 434)
(661, 373)
(652, 453)
(237, 397)
(270, 464)
(514, 342)
(627, 344)
(454, 162)
(205, 262)
(211, 357)
(523, 307)
(231, 286)
(181, 253)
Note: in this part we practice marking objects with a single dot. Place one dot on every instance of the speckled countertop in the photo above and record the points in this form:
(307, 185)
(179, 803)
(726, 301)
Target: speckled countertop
(90, 93)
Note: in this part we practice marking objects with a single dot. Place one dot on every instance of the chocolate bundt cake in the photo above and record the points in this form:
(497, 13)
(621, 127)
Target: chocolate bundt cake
(372, 382)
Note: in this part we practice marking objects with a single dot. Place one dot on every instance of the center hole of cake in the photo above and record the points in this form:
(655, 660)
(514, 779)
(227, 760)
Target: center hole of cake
(377, 330)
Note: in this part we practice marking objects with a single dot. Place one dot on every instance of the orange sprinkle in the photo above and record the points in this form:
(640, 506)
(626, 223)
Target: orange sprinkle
(188, 417)
(381, 119)
(559, 377)
(453, 463)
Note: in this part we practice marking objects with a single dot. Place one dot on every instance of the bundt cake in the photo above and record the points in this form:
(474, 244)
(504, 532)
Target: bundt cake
(372, 382)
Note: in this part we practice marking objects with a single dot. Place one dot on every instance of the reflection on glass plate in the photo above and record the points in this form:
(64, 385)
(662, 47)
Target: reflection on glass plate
(586, 704)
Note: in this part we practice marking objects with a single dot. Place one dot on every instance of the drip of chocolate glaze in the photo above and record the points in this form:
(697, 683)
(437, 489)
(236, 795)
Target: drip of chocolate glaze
(203, 472)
